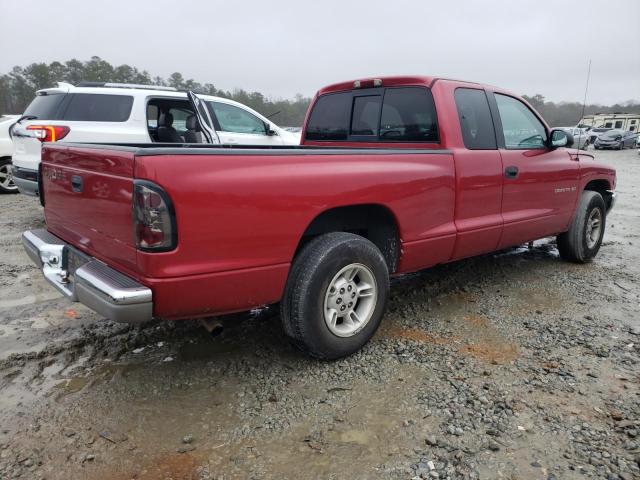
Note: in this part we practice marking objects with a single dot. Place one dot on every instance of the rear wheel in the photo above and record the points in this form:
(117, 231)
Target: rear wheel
(583, 239)
(6, 180)
(336, 295)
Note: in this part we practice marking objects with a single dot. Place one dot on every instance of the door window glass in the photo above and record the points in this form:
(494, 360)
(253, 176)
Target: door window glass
(475, 119)
(236, 120)
(520, 127)
(618, 124)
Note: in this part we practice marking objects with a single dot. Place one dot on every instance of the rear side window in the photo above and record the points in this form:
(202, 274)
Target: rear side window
(89, 107)
(329, 119)
(476, 123)
(408, 115)
(45, 107)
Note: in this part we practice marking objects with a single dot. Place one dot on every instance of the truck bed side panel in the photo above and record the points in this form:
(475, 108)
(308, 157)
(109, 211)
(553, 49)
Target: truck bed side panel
(244, 211)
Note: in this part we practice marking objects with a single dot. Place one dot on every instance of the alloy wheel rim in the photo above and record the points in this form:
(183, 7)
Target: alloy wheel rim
(6, 180)
(594, 227)
(350, 300)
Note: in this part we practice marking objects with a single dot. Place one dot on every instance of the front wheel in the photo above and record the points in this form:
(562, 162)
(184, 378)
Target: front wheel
(336, 295)
(6, 180)
(583, 239)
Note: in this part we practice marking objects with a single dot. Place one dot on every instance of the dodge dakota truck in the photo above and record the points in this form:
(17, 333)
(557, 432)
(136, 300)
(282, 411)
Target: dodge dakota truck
(393, 175)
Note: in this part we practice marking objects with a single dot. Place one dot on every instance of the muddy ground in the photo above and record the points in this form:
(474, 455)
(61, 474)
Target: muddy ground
(515, 365)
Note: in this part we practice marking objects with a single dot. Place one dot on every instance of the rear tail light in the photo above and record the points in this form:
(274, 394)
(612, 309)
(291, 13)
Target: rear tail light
(153, 218)
(49, 133)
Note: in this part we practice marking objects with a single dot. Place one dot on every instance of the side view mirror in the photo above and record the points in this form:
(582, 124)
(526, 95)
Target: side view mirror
(559, 138)
(267, 128)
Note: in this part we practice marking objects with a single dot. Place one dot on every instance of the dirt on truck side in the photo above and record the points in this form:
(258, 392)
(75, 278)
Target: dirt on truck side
(511, 365)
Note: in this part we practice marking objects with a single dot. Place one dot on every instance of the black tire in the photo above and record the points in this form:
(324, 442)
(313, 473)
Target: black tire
(303, 305)
(5, 185)
(573, 245)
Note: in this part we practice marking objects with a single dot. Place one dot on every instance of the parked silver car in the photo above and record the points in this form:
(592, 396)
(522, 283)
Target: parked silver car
(580, 137)
(616, 139)
(594, 133)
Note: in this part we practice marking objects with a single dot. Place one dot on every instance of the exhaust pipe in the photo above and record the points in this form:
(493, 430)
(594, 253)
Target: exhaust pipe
(213, 326)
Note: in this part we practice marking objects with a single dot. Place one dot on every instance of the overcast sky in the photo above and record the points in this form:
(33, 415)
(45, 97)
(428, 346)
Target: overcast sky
(286, 47)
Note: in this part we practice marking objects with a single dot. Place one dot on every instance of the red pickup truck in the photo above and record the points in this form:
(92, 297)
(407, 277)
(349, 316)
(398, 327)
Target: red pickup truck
(393, 175)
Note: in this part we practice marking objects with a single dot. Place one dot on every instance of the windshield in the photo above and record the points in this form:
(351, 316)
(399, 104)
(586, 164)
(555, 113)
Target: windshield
(612, 134)
(45, 107)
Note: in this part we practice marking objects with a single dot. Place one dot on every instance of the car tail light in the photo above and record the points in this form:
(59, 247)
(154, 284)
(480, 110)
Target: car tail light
(49, 133)
(153, 218)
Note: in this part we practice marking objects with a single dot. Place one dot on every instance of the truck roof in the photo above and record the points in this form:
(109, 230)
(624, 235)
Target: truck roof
(392, 81)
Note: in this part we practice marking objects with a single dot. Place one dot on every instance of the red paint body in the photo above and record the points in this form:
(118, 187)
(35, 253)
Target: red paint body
(240, 217)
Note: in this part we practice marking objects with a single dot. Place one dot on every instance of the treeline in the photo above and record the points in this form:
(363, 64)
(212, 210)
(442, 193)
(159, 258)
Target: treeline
(569, 113)
(18, 87)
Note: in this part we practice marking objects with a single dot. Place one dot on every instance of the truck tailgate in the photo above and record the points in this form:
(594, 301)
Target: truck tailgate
(87, 195)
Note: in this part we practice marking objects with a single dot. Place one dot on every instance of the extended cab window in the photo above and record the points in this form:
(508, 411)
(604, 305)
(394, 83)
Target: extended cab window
(476, 123)
(520, 127)
(89, 107)
(408, 115)
(366, 112)
(402, 114)
(329, 119)
(237, 120)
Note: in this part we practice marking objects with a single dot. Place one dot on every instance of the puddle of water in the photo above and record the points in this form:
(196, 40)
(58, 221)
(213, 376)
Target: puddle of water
(29, 299)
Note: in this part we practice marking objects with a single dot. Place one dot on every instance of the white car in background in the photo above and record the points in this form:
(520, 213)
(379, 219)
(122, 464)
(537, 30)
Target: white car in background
(122, 113)
(6, 151)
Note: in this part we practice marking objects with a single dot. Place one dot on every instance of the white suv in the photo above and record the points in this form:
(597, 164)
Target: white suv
(122, 113)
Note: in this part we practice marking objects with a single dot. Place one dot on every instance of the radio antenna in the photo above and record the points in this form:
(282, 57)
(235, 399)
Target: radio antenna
(586, 88)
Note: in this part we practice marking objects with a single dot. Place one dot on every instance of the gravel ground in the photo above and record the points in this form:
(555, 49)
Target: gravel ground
(514, 365)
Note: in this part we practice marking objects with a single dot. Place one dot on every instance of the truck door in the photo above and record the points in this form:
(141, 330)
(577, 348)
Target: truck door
(540, 183)
(204, 119)
(478, 176)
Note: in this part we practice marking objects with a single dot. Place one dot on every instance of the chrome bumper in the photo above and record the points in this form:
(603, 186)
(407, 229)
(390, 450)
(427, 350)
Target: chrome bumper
(86, 280)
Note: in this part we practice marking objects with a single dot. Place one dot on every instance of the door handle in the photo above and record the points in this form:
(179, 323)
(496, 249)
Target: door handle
(76, 183)
(511, 172)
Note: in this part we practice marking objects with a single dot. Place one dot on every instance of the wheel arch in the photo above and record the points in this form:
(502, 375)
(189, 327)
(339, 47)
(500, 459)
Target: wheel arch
(373, 221)
(603, 187)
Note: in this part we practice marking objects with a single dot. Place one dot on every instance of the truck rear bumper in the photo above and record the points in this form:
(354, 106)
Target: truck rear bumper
(84, 279)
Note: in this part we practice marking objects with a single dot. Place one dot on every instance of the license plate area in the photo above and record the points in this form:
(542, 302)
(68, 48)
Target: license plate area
(74, 259)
